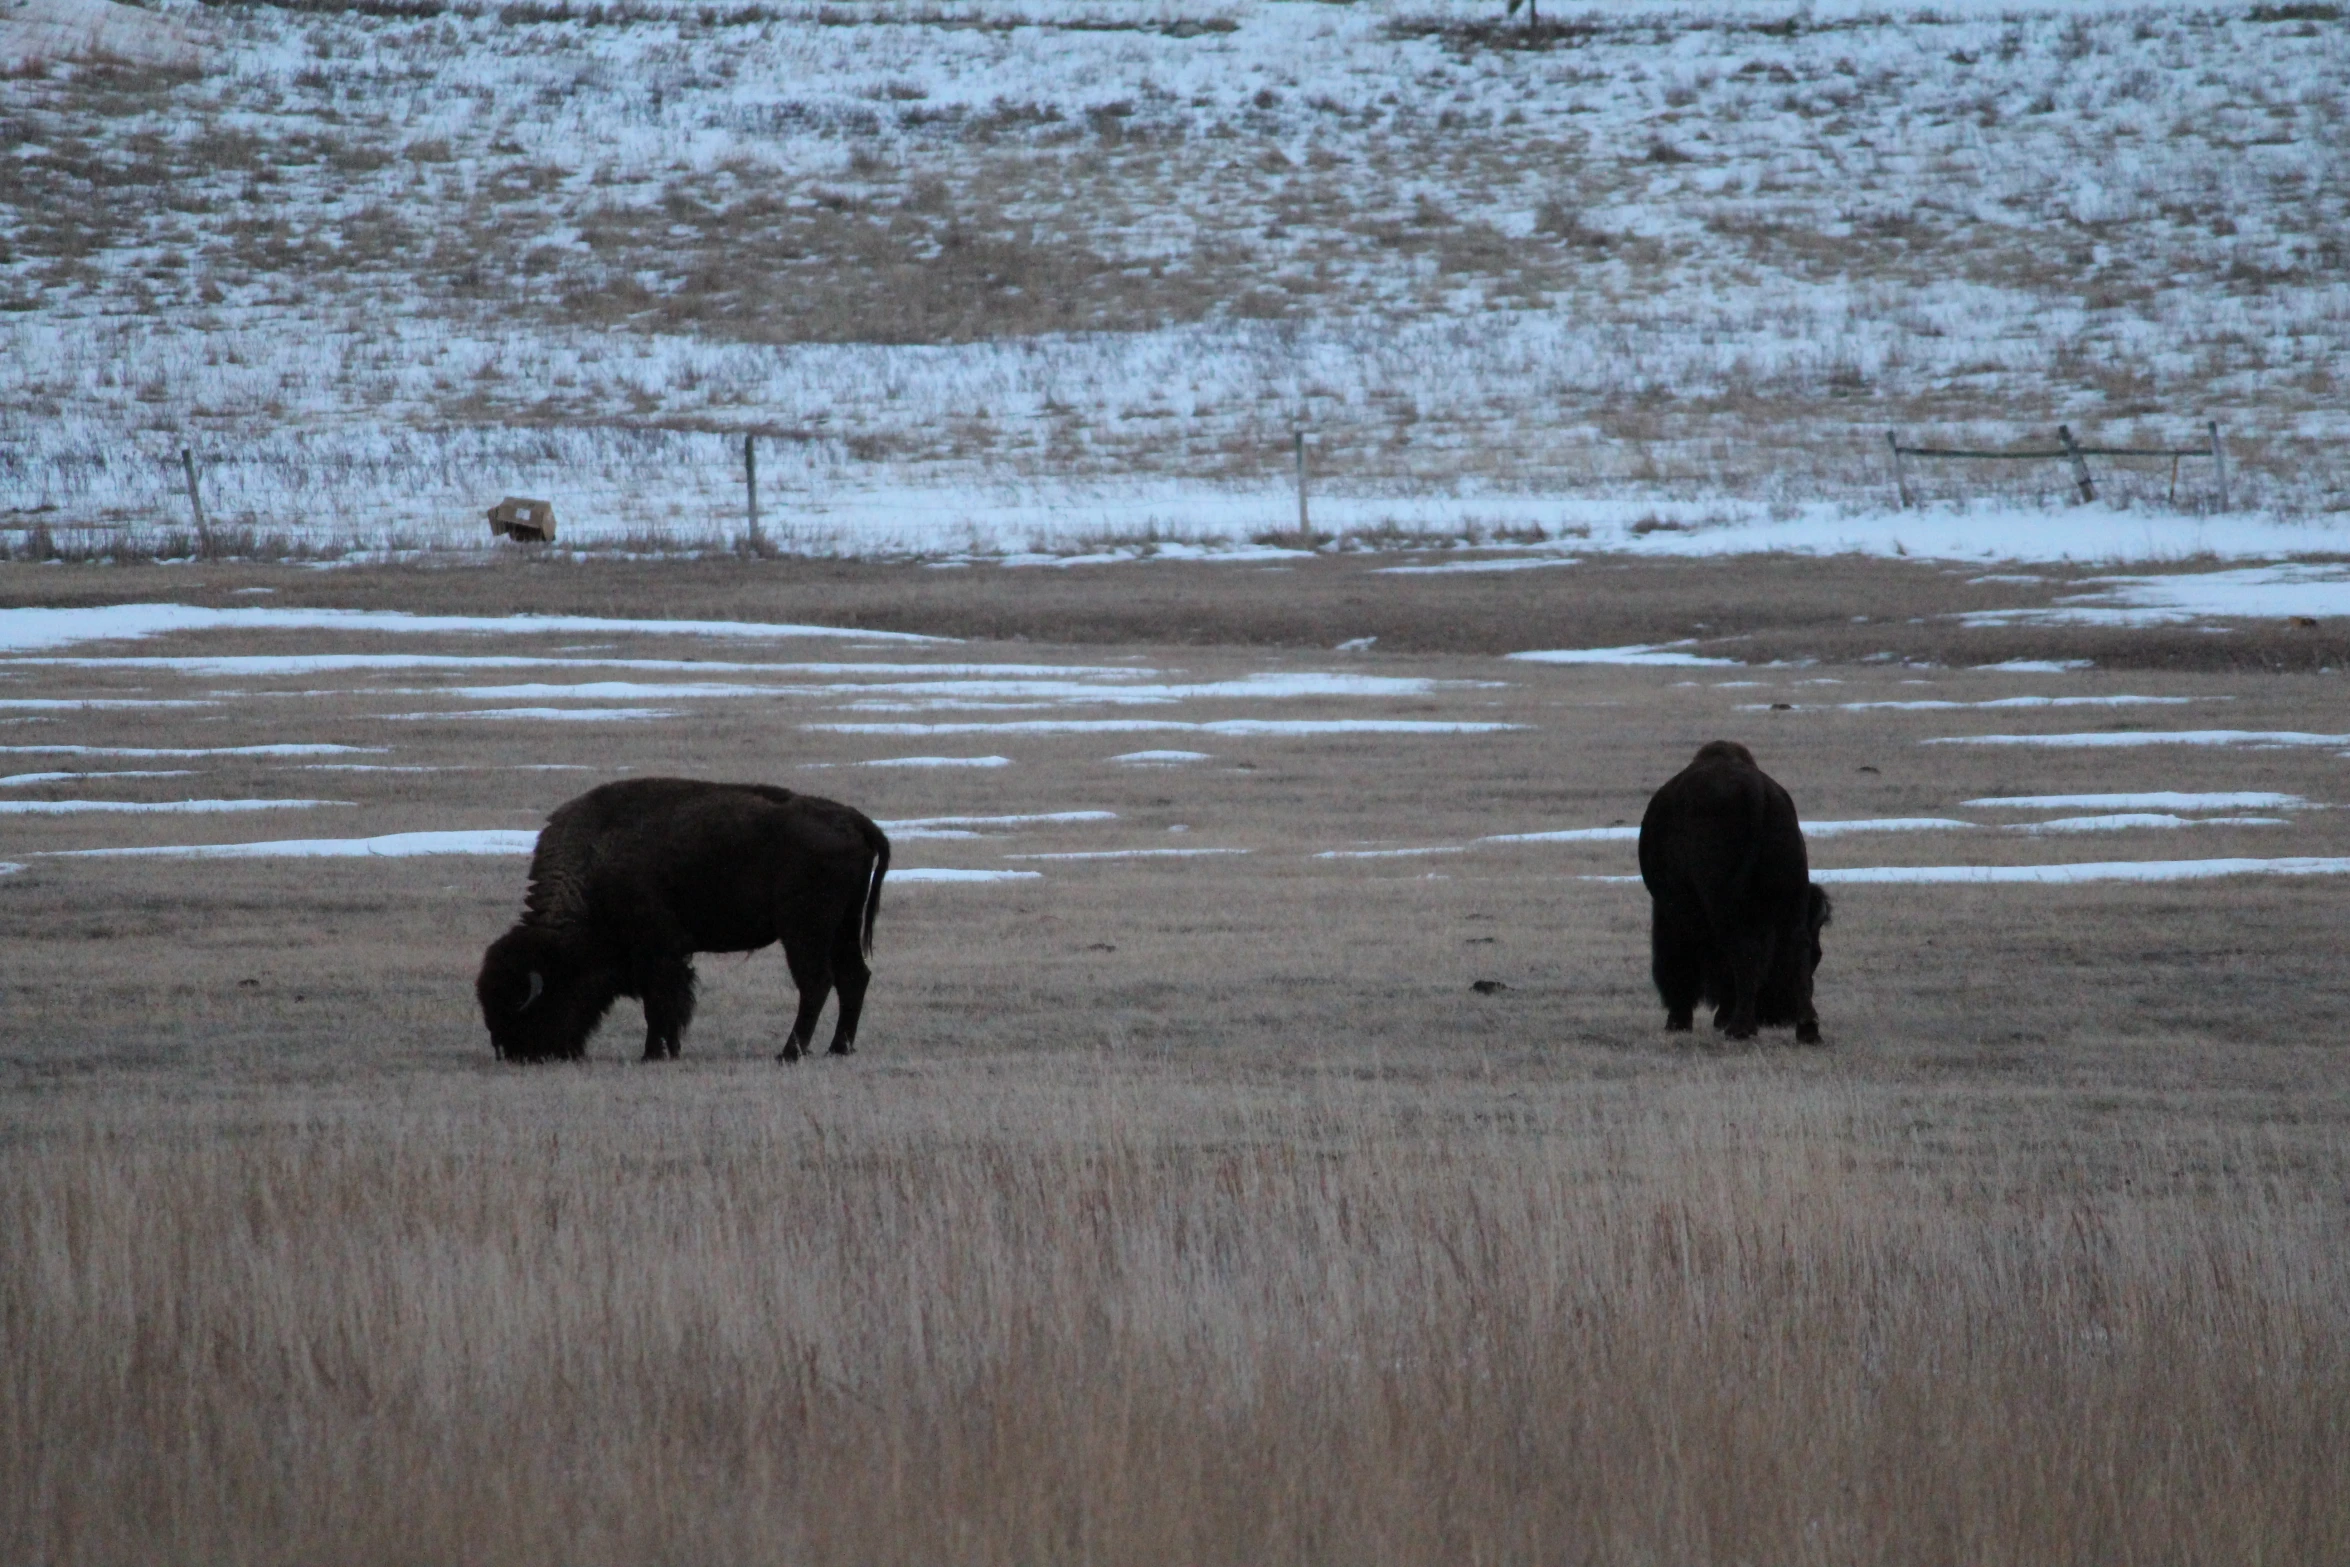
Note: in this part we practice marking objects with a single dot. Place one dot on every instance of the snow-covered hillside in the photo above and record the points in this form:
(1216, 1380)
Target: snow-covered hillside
(1002, 275)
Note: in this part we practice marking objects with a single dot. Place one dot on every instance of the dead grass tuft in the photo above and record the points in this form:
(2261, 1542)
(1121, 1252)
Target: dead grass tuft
(129, 545)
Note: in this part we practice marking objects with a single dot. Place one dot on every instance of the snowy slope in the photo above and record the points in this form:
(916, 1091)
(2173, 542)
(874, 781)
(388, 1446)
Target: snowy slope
(995, 276)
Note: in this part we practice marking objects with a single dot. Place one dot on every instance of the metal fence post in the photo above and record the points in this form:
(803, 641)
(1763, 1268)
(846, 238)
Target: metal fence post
(2219, 463)
(1900, 485)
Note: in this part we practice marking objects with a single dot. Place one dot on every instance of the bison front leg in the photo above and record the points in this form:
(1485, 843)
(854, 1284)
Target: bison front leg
(1807, 1021)
(668, 989)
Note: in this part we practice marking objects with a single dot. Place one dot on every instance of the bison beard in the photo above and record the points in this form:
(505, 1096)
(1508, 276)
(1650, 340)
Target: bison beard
(632, 879)
(1735, 919)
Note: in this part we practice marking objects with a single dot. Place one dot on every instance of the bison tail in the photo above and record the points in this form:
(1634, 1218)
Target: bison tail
(878, 842)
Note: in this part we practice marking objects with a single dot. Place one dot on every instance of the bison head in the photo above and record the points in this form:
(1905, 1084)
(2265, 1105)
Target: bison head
(1817, 911)
(541, 995)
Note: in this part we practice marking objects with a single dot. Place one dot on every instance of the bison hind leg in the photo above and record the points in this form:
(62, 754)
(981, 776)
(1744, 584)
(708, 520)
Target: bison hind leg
(1677, 947)
(851, 973)
(810, 961)
(1746, 965)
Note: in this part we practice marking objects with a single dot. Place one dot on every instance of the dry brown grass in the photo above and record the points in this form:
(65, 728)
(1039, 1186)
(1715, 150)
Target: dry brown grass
(1175, 1210)
(1102, 1313)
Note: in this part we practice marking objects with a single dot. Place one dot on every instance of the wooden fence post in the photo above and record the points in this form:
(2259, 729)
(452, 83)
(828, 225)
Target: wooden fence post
(195, 502)
(2072, 449)
(1305, 533)
(1900, 485)
(751, 483)
(2219, 463)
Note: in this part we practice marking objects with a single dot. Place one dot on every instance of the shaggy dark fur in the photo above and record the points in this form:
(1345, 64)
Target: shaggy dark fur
(632, 879)
(1735, 919)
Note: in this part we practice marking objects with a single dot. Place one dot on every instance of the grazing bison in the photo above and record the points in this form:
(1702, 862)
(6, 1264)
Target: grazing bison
(632, 879)
(1735, 919)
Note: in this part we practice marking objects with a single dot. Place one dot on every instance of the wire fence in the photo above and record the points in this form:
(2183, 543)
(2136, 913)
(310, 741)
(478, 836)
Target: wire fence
(2075, 454)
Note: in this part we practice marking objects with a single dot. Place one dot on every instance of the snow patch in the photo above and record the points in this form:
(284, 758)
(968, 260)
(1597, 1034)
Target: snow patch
(38, 30)
(1389, 854)
(2274, 592)
(552, 714)
(2104, 870)
(919, 822)
(18, 780)
(156, 808)
(595, 691)
(453, 767)
(937, 761)
(1224, 726)
(398, 845)
(25, 629)
(1660, 653)
(933, 875)
(1926, 705)
(2032, 666)
(2131, 737)
(1519, 563)
(2121, 821)
(250, 665)
(1124, 854)
(2093, 871)
(2159, 800)
(1349, 726)
(52, 703)
(213, 750)
(1568, 835)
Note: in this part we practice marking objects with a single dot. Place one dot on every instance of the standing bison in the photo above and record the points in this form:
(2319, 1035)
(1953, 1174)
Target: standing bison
(632, 879)
(1735, 920)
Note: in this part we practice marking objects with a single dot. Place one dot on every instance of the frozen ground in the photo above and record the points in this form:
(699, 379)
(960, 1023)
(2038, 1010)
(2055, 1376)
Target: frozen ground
(1034, 279)
(793, 706)
(2278, 592)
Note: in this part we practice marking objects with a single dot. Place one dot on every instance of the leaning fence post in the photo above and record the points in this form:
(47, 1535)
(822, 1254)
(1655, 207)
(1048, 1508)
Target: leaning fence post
(751, 483)
(195, 502)
(1900, 485)
(2072, 449)
(2219, 463)
(1305, 534)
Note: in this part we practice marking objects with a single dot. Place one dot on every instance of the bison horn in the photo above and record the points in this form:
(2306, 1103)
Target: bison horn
(538, 985)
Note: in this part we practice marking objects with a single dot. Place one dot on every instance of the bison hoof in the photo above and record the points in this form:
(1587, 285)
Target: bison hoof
(1807, 1033)
(1677, 1022)
(840, 1049)
(1738, 1031)
(791, 1052)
